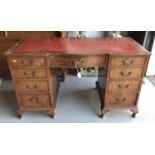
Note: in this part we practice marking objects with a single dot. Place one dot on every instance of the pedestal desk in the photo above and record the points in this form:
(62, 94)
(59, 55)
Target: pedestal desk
(36, 62)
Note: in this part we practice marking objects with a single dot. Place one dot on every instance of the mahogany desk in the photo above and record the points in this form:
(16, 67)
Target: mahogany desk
(35, 64)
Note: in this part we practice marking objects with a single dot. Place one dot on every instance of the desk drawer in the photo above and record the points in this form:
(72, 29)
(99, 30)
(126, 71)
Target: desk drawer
(77, 61)
(35, 101)
(31, 86)
(27, 61)
(127, 61)
(29, 73)
(123, 86)
(135, 73)
(124, 99)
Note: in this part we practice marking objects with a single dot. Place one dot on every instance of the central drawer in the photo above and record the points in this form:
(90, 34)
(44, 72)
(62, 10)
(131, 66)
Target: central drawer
(35, 101)
(77, 61)
(29, 73)
(31, 86)
(134, 73)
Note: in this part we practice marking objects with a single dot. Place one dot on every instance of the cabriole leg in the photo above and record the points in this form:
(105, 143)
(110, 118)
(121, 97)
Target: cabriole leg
(103, 112)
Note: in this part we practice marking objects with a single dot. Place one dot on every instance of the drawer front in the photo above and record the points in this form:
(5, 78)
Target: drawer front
(126, 73)
(90, 61)
(128, 61)
(124, 99)
(29, 73)
(25, 61)
(35, 101)
(60, 61)
(31, 86)
(123, 85)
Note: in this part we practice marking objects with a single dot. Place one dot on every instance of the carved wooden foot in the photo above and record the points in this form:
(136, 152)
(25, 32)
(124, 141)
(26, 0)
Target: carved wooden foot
(52, 116)
(20, 113)
(19, 116)
(134, 115)
(135, 111)
(103, 112)
(52, 113)
(101, 115)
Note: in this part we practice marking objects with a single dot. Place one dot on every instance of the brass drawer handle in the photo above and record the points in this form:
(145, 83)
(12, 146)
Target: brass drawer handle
(120, 99)
(34, 99)
(127, 62)
(78, 62)
(27, 62)
(30, 74)
(32, 87)
(125, 74)
(82, 62)
(14, 60)
(121, 86)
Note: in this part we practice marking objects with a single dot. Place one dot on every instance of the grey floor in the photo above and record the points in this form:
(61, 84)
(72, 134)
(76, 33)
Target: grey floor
(151, 79)
(77, 102)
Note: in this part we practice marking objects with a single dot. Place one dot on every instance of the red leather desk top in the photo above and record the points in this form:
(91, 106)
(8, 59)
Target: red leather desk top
(79, 46)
